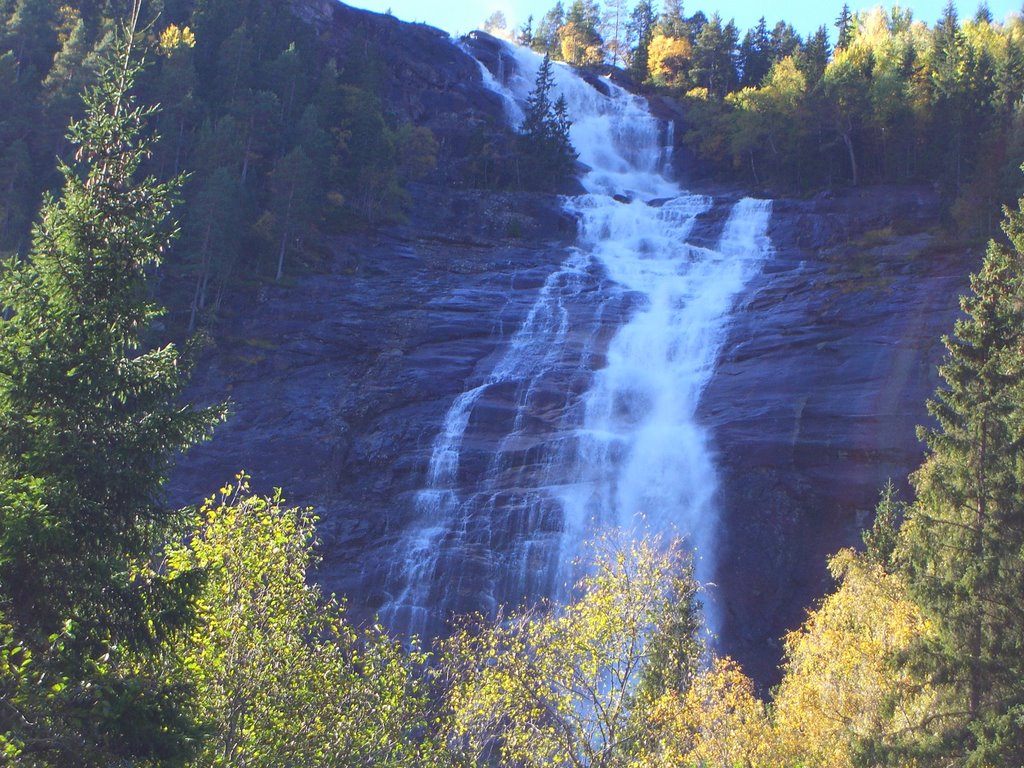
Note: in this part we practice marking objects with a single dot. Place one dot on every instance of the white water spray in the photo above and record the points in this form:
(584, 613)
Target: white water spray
(628, 452)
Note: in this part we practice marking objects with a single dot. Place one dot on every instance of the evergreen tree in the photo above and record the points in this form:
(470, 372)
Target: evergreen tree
(784, 41)
(214, 236)
(614, 30)
(881, 539)
(524, 35)
(547, 154)
(754, 55)
(545, 40)
(672, 22)
(695, 24)
(963, 543)
(32, 37)
(89, 424)
(15, 180)
(294, 188)
(714, 65)
(581, 42)
(845, 28)
(814, 55)
(845, 25)
(640, 30)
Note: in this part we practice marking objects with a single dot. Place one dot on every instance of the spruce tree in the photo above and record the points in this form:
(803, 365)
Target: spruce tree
(845, 25)
(963, 543)
(89, 424)
(755, 55)
(547, 154)
(640, 30)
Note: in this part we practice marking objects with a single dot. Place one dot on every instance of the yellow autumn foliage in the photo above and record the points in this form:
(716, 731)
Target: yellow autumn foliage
(841, 682)
(577, 46)
(542, 689)
(717, 722)
(668, 59)
(175, 37)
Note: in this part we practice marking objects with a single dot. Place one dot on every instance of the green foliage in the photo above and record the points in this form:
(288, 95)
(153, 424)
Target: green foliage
(640, 32)
(236, 81)
(560, 688)
(281, 677)
(881, 539)
(713, 66)
(89, 423)
(546, 156)
(895, 102)
(581, 42)
(963, 544)
(770, 117)
(545, 39)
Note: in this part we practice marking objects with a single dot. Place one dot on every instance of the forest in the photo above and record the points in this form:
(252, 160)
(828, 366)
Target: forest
(160, 162)
(894, 100)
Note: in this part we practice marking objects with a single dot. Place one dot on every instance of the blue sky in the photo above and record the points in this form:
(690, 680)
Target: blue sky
(461, 16)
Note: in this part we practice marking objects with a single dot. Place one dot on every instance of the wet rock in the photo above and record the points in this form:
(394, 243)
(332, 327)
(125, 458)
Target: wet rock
(824, 376)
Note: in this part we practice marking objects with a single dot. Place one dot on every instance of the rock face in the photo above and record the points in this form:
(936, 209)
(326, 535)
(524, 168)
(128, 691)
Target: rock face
(340, 381)
(814, 404)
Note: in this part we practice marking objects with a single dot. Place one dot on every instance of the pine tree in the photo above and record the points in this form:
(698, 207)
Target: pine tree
(963, 544)
(671, 20)
(89, 424)
(754, 55)
(845, 26)
(545, 39)
(614, 30)
(784, 41)
(547, 154)
(640, 31)
(714, 66)
(581, 43)
(524, 35)
(814, 56)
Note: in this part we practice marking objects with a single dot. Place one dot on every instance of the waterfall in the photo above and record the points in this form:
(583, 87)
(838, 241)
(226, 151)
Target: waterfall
(587, 420)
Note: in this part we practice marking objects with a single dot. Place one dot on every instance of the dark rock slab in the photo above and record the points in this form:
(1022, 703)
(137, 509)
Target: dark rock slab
(825, 374)
(340, 381)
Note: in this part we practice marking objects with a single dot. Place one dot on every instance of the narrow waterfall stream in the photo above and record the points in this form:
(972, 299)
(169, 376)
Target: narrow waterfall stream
(587, 419)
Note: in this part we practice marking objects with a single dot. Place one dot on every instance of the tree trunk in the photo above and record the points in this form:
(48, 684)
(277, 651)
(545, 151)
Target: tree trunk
(248, 148)
(199, 294)
(284, 234)
(853, 158)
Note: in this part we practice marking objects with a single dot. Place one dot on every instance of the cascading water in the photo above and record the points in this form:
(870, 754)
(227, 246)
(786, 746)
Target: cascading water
(579, 430)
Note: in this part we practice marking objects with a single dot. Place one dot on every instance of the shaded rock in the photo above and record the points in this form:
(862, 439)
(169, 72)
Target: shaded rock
(814, 404)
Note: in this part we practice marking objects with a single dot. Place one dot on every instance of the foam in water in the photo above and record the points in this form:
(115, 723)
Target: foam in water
(628, 452)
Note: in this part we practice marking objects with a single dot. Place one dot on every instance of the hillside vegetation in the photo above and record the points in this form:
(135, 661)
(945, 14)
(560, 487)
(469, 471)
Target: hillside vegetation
(131, 634)
(895, 100)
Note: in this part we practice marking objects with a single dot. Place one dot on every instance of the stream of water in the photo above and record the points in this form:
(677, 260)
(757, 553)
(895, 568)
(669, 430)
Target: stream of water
(593, 399)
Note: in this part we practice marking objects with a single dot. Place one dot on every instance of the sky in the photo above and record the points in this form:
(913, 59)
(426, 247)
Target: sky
(460, 16)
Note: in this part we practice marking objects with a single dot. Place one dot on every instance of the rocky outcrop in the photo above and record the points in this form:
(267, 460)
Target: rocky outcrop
(814, 404)
(339, 382)
(423, 77)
